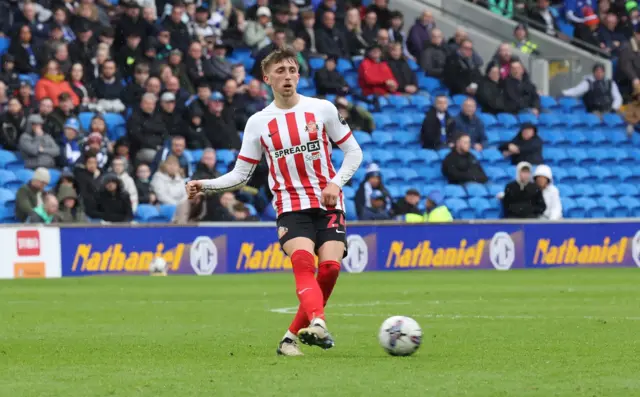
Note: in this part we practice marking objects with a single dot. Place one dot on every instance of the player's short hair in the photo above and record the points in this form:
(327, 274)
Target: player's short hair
(278, 56)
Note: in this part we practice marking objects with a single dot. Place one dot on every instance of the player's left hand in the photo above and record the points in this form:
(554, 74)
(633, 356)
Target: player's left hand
(330, 195)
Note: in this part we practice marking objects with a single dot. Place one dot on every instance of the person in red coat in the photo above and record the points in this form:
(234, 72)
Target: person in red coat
(374, 75)
(53, 83)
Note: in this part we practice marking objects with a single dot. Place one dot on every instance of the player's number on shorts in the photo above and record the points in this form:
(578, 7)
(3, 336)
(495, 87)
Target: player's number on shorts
(332, 221)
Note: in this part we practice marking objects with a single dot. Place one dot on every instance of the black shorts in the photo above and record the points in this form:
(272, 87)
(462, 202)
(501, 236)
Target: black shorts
(315, 224)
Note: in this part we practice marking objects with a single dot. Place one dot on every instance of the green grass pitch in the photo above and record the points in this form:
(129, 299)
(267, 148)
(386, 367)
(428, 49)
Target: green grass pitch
(562, 332)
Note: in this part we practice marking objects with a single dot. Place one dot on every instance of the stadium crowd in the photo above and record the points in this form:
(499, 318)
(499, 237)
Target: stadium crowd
(114, 105)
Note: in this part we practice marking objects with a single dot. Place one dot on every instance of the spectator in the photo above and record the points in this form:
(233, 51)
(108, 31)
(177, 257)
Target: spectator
(70, 209)
(221, 66)
(376, 210)
(298, 47)
(396, 34)
(45, 213)
(199, 27)
(30, 195)
(135, 89)
(173, 86)
(490, 93)
(408, 204)
(632, 111)
(370, 28)
(109, 89)
(177, 149)
(306, 30)
(550, 193)
(82, 50)
(206, 168)
(61, 55)
(163, 46)
(420, 34)
(190, 211)
(331, 6)
(38, 148)
(469, 123)
(143, 185)
(26, 53)
(219, 126)
(71, 147)
(281, 22)
(4, 97)
(438, 125)
(589, 32)
(382, 39)
(610, 35)
(329, 39)
(354, 33)
(374, 75)
(130, 55)
(357, 117)
(179, 31)
(254, 99)
(599, 94)
(78, 84)
(257, 33)
(328, 80)
(171, 118)
(381, 8)
(14, 124)
(198, 67)
(520, 93)
(522, 42)
(372, 181)
(576, 11)
(241, 213)
(112, 203)
(168, 182)
(233, 104)
(119, 166)
(26, 98)
(153, 86)
(544, 19)
(434, 56)
(436, 212)
(179, 70)
(522, 198)
(97, 144)
(632, 23)
(146, 129)
(86, 173)
(103, 54)
(461, 74)
(526, 146)
(461, 166)
(194, 133)
(629, 65)
(455, 42)
(503, 58)
(9, 75)
(54, 121)
(279, 41)
(406, 78)
(53, 83)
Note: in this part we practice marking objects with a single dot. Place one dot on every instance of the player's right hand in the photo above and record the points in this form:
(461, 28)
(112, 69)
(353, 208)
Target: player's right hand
(193, 188)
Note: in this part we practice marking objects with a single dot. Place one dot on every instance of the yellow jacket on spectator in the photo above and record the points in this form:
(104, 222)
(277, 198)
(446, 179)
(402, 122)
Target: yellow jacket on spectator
(439, 213)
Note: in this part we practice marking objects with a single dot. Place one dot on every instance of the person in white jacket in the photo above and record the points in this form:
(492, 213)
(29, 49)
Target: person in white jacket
(550, 193)
(168, 182)
(119, 167)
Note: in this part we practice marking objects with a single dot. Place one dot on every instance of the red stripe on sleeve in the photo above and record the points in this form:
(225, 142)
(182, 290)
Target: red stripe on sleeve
(343, 140)
(282, 166)
(276, 184)
(301, 167)
(248, 160)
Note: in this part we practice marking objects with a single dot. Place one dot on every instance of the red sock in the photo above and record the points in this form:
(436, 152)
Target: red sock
(328, 272)
(307, 289)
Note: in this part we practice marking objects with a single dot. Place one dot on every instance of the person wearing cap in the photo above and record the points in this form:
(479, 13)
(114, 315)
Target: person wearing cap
(180, 36)
(200, 26)
(372, 181)
(84, 48)
(8, 73)
(163, 44)
(219, 126)
(436, 211)
(130, 55)
(130, 22)
(328, 80)
(522, 198)
(30, 194)
(38, 148)
(376, 210)
(220, 64)
(460, 165)
(172, 119)
(257, 33)
(374, 75)
(72, 149)
(146, 129)
(408, 204)
(599, 94)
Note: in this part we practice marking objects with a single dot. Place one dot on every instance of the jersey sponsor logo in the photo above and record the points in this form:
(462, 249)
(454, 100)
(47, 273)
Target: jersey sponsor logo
(313, 156)
(311, 127)
(312, 146)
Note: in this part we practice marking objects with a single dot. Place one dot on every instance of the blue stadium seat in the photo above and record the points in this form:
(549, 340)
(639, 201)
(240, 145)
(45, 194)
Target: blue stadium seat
(571, 209)
(494, 189)
(420, 102)
(631, 203)
(493, 138)
(225, 156)
(584, 190)
(548, 102)
(574, 121)
(349, 192)
(581, 158)
(271, 215)
(407, 121)
(594, 175)
(384, 122)
(550, 120)
(381, 157)
(431, 174)
(480, 206)
(627, 189)
(413, 65)
(116, 125)
(442, 153)
(507, 120)
(352, 215)
(406, 138)
(602, 156)
(4, 45)
(616, 136)
(167, 211)
(556, 156)
(455, 205)
(528, 118)
(382, 139)
(344, 65)
(406, 157)
(613, 120)
(566, 190)
(85, 120)
(316, 63)
(428, 156)
(55, 176)
(591, 207)
(24, 175)
(574, 175)
(410, 176)
(605, 190)
(476, 190)
(506, 135)
(7, 177)
(623, 157)
(454, 110)
(394, 191)
(7, 215)
(390, 176)
(145, 212)
(398, 101)
(364, 139)
(7, 157)
(568, 104)
(459, 99)
(337, 156)
(592, 120)
(305, 82)
(196, 155)
(488, 119)
(622, 175)
(576, 138)
(498, 175)
(613, 208)
(454, 191)
(429, 84)
(7, 197)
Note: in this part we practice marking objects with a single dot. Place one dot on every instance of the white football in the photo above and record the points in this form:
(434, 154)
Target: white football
(158, 267)
(400, 336)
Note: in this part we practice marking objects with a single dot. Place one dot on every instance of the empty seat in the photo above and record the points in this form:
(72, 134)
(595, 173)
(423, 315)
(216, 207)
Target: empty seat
(476, 190)
(528, 118)
(548, 102)
(582, 189)
(381, 157)
(420, 103)
(591, 207)
(626, 189)
(507, 120)
(349, 192)
(566, 190)
(167, 211)
(550, 120)
(494, 189)
(568, 104)
(605, 190)
(381, 139)
(556, 156)
(612, 207)
(454, 191)
(613, 120)
(492, 155)
(489, 120)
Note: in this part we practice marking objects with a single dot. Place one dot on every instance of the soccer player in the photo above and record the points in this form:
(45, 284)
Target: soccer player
(294, 133)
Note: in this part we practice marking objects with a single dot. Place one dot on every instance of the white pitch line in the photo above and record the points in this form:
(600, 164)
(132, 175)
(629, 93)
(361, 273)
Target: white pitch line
(294, 309)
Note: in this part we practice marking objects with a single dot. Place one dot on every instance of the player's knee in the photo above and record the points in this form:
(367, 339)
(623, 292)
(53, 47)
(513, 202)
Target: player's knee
(302, 261)
(329, 268)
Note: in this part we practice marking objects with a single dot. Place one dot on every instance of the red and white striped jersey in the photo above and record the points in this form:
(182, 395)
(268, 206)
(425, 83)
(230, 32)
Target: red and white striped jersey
(297, 144)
